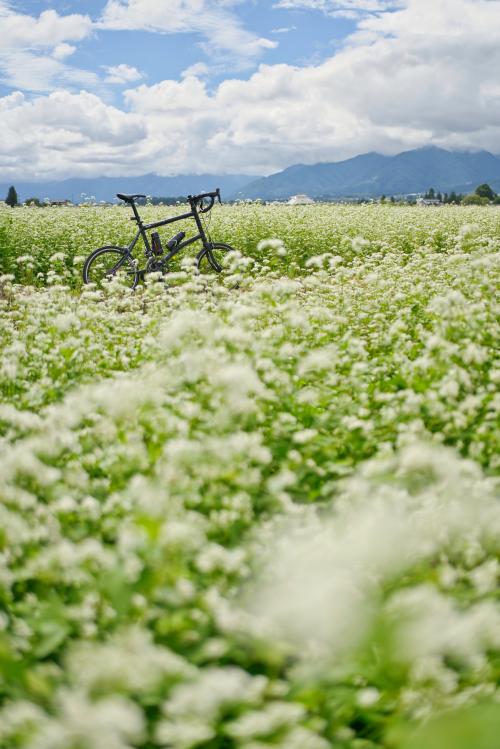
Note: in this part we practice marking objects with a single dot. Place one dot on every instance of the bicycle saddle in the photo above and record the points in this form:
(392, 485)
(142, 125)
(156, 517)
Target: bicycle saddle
(128, 198)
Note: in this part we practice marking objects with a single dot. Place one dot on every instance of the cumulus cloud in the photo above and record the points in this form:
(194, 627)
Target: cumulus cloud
(425, 73)
(32, 49)
(28, 71)
(199, 70)
(63, 50)
(48, 30)
(122, 74)
(222, 30)
(64, 133)
(407, 78)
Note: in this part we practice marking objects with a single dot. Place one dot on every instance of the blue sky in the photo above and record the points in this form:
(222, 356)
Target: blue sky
(302, 35)
(176, 86)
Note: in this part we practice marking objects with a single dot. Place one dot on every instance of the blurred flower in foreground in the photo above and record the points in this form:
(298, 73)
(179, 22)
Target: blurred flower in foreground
(325, 573)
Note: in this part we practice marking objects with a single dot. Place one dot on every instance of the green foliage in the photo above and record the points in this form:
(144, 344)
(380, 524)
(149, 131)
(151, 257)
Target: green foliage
(452, 198)
(475, 199)
(11, 198)
(256, 510)
(485, 191)
(470, 728)
(37, 236)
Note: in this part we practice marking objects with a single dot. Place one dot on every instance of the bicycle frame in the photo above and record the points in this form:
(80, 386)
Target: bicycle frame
(144, 228)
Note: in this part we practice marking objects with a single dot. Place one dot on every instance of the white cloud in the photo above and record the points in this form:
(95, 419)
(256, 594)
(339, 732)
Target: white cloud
(18, 30)
(343, 8)
(63, 134)
(122, 74)
(63, 50)
(199, 70)
(426, 73)
(32, 49)
(408, 78)
(221, 28)
(25, 70)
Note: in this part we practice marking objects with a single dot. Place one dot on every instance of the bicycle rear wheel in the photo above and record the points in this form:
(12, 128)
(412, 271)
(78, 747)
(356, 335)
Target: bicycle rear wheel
(215, 259)
(108, 263)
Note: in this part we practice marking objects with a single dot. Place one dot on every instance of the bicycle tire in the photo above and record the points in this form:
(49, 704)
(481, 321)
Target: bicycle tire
(213, 260)
(93, 272)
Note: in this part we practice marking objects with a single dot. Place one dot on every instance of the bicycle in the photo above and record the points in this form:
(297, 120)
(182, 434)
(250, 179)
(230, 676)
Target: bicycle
(110, 261)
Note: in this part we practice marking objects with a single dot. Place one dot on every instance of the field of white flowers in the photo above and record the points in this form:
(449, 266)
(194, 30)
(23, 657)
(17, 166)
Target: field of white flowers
(252, 517)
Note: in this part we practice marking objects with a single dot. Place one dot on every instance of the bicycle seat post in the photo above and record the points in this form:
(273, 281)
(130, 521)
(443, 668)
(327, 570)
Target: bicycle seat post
(136, 216)
(131, 200)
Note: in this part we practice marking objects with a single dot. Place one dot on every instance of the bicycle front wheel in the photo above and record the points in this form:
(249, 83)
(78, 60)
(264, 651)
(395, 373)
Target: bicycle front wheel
(214, 260)
(107, 263)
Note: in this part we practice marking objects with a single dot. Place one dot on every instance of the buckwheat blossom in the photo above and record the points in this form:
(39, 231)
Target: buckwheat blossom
(368, 697)
(129, 660)
(259, 508)
(327, 571)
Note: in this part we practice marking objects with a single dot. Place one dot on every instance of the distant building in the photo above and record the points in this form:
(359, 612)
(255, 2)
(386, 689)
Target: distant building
(61, 203)
(428, 201)
(300, 200)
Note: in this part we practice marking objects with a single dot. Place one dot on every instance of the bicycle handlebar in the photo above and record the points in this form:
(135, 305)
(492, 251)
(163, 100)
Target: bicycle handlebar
(193, 199)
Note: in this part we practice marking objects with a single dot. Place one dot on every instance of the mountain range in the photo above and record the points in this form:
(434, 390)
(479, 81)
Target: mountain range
(105, 188)
(373, 174)
(367, 175)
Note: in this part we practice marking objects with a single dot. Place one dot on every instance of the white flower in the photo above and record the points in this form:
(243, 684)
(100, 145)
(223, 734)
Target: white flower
(323, 575)
(485, 577)
(66, 321)
(304, 435)
(129, 660)
(272, 244)
(110, 723)
(214, 689)
(266, 721)
(368, 697)
(467, 230)
(359, 244)
(183, 734)
(57, 257)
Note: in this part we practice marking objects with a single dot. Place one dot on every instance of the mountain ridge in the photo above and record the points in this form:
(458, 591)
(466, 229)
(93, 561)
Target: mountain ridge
(373, 174)
(105, 188)
(366, 175)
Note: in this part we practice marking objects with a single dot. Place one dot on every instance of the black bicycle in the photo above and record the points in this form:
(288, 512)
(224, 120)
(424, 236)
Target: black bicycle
(110, 261)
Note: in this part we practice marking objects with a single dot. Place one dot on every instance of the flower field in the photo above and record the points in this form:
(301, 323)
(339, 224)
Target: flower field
(257, 510)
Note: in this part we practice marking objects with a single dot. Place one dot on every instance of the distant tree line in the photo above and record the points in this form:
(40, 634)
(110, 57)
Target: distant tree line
(452, 197)
(483, 195)
(12, 200)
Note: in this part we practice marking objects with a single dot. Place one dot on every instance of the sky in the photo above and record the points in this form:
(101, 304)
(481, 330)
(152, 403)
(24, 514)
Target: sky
(129, 87)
